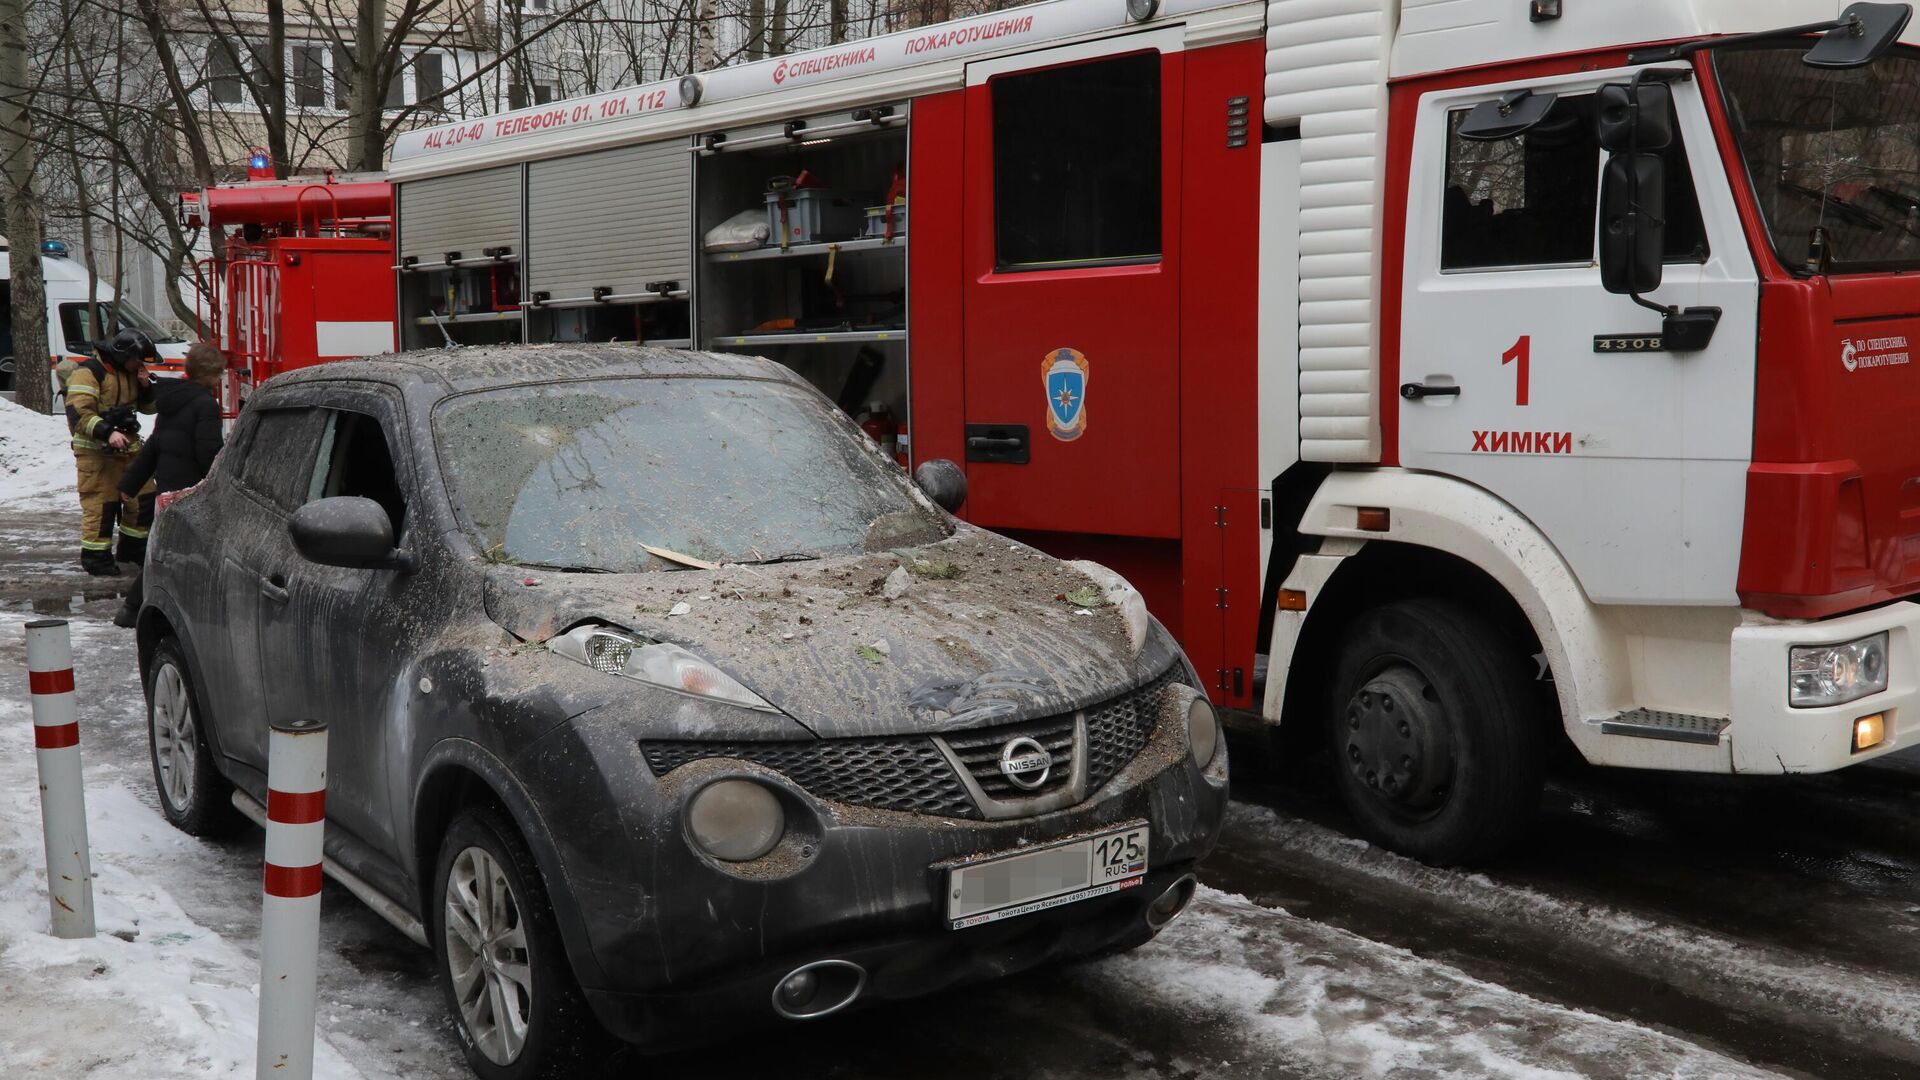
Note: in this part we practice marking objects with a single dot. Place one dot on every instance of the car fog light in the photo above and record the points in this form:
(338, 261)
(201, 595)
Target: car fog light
(796, 990)
(1836, 674)
(735, 820)
(1203, 731)
(1869, 732)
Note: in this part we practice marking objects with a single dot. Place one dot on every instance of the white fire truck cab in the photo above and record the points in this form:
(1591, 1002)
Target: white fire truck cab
(1452, 376)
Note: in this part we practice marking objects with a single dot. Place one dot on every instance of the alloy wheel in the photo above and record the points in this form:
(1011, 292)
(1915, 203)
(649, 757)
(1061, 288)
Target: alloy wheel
(175, 738)
(487, 955)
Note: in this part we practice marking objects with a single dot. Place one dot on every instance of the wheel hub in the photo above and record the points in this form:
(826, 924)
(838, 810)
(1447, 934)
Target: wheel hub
(1398, 743)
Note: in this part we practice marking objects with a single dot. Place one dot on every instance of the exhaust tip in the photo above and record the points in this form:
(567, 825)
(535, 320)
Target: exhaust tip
(821, 988)
(1169, 904)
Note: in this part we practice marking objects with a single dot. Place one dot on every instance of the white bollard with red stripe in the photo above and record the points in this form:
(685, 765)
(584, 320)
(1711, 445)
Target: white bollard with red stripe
(290, 905)
(63, 801)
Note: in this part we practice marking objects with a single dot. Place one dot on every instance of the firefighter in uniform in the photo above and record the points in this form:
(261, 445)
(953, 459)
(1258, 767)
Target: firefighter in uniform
(103, 394)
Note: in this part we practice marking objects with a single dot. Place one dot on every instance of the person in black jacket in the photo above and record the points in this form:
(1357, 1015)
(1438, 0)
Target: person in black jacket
(185, 438)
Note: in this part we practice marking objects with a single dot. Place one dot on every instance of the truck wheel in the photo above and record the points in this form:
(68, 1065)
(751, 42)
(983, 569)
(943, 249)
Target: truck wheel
(195, 798)
(507, 981)
(1437, 743)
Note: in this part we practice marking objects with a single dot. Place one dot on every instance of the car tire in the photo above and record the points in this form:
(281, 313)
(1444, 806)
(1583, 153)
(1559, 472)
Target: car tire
(194, 797)
(1437, 735)
(511, 963)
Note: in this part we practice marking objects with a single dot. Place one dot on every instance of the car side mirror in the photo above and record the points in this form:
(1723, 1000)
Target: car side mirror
(347, 531)
(1633, 230)
(944, 482)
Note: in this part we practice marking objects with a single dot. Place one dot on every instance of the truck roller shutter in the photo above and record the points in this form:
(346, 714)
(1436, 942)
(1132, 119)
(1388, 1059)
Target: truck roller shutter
(1327, 72)
(618, 220)
(467, 213)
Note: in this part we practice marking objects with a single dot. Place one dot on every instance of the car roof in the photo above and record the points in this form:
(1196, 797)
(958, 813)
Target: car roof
(487, 367)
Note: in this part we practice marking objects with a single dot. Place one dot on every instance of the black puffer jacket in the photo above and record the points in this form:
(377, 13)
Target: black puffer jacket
(185, 438)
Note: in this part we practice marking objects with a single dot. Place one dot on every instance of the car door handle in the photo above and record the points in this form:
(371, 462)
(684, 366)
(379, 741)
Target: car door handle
(274, 588)
(1414, 391)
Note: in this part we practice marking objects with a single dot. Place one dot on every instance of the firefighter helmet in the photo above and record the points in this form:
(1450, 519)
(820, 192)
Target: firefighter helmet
(126, 348)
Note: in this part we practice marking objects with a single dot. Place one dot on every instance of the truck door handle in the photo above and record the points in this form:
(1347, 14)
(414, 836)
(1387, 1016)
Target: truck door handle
(1003, 443)
(274, 588)
(1414, 391)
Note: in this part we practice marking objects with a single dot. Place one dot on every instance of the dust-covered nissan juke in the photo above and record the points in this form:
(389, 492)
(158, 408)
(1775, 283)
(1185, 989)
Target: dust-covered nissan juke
(654, 687)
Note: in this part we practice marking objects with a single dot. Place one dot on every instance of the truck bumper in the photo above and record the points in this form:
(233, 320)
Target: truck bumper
(1768, 735)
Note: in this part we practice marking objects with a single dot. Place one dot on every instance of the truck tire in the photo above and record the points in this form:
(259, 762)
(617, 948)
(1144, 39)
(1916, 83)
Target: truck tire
(1437, 737)
(194, 797)
(515, 1005)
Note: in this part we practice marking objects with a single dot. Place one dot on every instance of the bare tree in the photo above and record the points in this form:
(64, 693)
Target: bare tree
(18, 155)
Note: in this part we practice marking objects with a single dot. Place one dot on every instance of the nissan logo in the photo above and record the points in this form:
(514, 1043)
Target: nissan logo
(1025, 763)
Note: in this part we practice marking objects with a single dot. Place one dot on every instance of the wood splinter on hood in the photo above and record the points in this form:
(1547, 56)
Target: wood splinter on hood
(673, 556)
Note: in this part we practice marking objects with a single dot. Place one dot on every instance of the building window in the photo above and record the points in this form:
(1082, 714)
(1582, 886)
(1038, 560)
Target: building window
(1076, 164)
(1532, 199)
(223, 74)
(429, 79)
(309, 76)
(543, 92)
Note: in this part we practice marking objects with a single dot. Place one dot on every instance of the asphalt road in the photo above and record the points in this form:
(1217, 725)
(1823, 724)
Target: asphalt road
(1775, 922)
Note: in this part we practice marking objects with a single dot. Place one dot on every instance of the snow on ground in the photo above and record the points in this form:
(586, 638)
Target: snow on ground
(36, 460)
(1794, 986)
(1330, 1003)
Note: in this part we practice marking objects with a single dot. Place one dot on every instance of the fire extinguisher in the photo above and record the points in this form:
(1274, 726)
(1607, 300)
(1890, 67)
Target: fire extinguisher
(878, 425)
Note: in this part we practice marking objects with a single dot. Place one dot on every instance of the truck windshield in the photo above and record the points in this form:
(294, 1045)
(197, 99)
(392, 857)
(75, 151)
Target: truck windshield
(591, 475)
(1833, 154)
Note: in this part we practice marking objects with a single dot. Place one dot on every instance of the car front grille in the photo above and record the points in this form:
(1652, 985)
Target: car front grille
(980, 750)
(909, 773)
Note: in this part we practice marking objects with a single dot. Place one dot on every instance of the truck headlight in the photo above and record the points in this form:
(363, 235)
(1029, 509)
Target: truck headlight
(659, 663)
(1836, 674)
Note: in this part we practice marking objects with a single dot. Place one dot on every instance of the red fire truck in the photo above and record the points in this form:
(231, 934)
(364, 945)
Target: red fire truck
(1452, 376)
(304, 273)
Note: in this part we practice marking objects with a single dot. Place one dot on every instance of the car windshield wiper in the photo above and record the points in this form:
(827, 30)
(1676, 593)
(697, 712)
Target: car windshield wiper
(560, 568)
(791, 556)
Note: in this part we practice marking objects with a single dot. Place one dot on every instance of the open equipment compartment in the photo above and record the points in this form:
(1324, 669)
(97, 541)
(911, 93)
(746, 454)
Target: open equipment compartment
(817, 294)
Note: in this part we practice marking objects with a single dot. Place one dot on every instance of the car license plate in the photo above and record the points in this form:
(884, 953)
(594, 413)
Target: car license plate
(1034, 879)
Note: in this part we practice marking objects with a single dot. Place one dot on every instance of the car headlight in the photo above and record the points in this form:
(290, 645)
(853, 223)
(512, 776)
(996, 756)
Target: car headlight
(1836, 674)
(658, 663)
(1203, 730)
(1122, 595)
(735, 820)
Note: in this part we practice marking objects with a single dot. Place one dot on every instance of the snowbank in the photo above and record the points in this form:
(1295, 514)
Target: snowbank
(35, 458)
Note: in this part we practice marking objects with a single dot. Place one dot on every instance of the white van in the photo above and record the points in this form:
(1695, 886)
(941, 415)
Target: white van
(70, 326)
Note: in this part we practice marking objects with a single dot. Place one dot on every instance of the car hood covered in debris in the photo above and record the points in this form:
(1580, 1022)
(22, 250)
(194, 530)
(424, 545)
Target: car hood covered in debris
(972, 631)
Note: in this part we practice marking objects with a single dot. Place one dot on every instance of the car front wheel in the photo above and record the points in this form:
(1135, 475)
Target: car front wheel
(1436, 732)
(506, 978)
(195, 798)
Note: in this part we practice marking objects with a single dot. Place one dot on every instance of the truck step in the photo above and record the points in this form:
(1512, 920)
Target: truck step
(1673, 727)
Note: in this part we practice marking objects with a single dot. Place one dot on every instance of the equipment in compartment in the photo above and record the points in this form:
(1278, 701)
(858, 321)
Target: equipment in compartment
(800, 210)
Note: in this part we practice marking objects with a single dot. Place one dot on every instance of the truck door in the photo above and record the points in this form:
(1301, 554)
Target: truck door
(1071, 287)
(1632, 460)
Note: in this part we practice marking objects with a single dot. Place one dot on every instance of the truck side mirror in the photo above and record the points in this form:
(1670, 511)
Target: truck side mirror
(1633, 230)
(1635, 116)
(1634, 121)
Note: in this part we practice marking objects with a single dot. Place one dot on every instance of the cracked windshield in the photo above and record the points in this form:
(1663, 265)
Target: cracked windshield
(660, 474)
(1834, 154)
